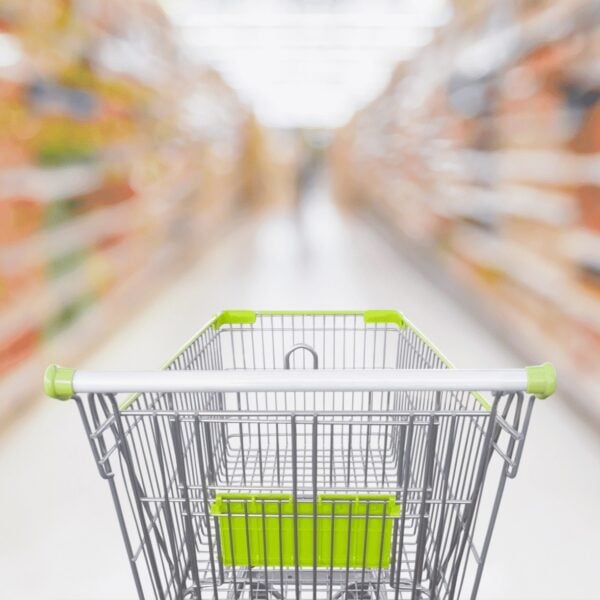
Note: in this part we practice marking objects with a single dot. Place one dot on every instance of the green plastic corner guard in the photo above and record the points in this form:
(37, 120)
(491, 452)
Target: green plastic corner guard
(234, 317)
(58, 382)
(541, 380)
(385, 316)
(258, 530)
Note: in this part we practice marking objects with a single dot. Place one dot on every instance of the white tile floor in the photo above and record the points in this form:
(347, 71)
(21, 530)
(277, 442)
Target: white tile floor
(58, 535)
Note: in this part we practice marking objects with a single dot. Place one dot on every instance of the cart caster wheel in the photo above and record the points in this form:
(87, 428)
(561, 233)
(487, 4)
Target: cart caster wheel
(259, 591)
(356, 591)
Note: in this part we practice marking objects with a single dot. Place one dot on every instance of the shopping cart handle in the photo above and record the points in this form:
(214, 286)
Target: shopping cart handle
(63, 383)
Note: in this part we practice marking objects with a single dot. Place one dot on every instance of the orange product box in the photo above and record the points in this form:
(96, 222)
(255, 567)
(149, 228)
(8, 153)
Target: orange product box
(587, 140)
(19, 217)
(13, 284)
(111, 192)
(588, 197)
(17, 348)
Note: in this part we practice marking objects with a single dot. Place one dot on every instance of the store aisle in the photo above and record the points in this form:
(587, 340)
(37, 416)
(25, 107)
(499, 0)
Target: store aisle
(59, 538)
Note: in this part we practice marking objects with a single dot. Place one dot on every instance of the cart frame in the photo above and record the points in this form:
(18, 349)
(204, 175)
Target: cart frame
(323, 455)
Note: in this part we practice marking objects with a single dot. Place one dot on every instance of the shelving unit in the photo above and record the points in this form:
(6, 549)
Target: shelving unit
(483, 155)
(119, 160)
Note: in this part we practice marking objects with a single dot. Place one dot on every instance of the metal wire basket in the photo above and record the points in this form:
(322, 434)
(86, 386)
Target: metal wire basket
(330, 455)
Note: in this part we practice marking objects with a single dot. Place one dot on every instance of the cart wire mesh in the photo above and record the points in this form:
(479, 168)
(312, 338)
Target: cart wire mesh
(324, 495)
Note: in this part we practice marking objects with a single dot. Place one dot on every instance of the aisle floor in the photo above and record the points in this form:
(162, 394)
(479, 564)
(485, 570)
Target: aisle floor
(59, 538)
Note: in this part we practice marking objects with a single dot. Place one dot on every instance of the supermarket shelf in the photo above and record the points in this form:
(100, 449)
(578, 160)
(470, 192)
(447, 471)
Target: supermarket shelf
(50, 183)
(541, 167)
(465, 199)
(498, 50)
(78, 232)
(22, 385)
(48, 298)
(510, 326)
(537, 272)
(84, 230)
(482, 157)
(107, 184)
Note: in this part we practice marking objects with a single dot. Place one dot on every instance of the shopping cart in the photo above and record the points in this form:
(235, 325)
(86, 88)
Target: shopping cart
(323, 455)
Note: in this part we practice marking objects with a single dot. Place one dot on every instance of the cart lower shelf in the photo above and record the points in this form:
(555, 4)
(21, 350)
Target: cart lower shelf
(331, 584)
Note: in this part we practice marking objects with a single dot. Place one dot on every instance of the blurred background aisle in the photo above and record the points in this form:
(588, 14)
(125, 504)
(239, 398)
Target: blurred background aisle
(162, 160)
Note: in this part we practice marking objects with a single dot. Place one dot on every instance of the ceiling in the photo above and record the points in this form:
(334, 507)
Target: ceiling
(305, 63)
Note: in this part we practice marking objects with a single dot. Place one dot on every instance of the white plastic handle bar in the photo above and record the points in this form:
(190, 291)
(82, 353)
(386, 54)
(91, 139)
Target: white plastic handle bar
(63, 383)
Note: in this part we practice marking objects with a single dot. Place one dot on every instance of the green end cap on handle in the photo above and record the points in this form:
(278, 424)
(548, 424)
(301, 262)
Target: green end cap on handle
(58, 382)
(541, 380)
